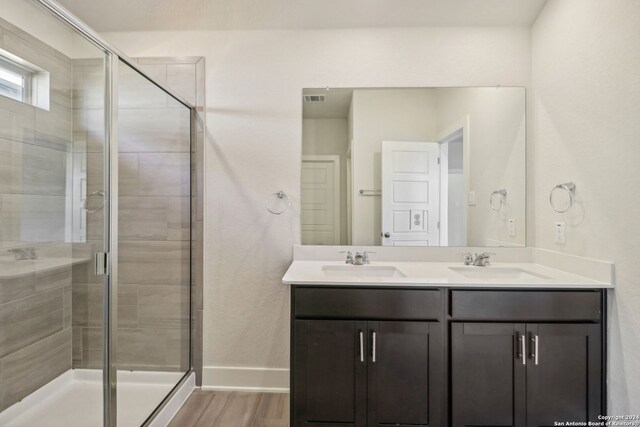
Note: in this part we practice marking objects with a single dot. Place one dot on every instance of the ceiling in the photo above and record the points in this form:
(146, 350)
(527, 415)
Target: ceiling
(161, 15)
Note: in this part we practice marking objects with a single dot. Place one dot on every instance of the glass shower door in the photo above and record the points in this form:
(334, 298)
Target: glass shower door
(54, 187)
(95, 159)
(154, 222)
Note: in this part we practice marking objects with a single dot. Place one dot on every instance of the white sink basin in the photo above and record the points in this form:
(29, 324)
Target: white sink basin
(361, 271)
(499, 273)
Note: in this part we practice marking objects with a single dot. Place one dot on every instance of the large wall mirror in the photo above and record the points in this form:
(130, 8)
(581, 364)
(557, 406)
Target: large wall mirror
(414, 166)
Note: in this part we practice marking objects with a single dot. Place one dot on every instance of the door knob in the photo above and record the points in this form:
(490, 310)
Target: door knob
(387, 234)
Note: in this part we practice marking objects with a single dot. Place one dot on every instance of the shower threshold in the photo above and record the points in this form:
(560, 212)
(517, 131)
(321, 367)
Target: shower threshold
(74, 399)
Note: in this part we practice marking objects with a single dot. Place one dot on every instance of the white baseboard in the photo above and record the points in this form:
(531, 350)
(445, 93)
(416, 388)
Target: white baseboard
(272, 380)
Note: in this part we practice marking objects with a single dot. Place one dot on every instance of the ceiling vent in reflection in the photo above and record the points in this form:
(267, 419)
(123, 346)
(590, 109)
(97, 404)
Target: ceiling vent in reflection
(314, 98)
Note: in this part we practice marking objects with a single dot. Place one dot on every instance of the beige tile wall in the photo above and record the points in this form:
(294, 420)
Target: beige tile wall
(52, 321)
(35, 309)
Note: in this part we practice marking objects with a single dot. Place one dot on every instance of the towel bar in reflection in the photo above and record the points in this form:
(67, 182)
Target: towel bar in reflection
(368, 193)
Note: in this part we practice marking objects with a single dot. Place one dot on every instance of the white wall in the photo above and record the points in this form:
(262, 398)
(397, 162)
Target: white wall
(32, 19)
(253, 148)
(330, 137)
(383, 115)
(586, 81)
(496, 138)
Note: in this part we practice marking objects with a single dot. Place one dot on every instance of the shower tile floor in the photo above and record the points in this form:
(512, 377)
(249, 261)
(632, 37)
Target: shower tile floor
(74, 399)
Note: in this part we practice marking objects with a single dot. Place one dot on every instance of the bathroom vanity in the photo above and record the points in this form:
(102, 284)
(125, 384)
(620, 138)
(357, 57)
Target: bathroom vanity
(436, 344)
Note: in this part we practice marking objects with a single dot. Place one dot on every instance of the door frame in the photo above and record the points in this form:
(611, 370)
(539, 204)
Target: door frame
(451, 132)
(323, 158)
(349, 189)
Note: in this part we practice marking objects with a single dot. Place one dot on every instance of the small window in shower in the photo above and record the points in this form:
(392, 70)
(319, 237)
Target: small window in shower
(23, 81)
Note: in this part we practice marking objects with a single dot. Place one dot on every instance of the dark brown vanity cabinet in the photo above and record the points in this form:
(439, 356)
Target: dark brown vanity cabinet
(379, 357)
(330, 373)
(383, 370)
(486, 372)
(526, 374)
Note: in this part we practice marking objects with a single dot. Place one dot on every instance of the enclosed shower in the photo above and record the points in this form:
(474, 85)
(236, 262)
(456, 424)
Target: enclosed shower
(95, 227)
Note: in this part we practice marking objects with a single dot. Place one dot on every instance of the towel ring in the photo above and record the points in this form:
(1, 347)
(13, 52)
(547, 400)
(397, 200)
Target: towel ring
(86, 201)
(280, 195)
(501, 196)
(570, 188)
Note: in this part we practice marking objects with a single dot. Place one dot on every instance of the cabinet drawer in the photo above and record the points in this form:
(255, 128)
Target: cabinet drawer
(526, 305)
(384, 304)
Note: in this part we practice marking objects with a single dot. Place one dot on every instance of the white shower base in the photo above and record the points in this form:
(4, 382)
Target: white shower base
(74, 399)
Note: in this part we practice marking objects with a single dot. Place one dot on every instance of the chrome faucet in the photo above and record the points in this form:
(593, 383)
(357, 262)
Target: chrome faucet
(358, 258)
(481, 260)
(362, 258)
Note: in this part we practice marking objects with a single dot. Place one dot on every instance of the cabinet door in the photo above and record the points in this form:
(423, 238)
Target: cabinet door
(405, 374)
(487, 374)
(563, 374)
(330, 373)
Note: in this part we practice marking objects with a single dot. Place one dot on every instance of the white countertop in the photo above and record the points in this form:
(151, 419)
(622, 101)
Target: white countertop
(438, 274)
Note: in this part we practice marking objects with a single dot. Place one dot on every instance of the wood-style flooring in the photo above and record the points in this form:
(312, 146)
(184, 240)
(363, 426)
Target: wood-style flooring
(233, 409)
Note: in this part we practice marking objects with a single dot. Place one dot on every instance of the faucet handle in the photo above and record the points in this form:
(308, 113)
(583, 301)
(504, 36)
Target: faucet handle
(468, 257)
(365, 256)
(482, 260)
(349, 259)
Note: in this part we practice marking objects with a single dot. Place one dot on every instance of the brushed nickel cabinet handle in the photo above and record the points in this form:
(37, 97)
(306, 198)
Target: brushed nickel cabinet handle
(523, 350)
(373, 349)
(361, 346)
(536, 340)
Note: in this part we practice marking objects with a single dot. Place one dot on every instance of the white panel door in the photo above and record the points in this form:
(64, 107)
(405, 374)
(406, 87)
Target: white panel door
(410, 193)
(320, 202)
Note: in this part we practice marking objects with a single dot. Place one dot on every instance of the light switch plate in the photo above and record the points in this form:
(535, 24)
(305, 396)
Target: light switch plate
(472, 198)
(560, 232)
(512, 227)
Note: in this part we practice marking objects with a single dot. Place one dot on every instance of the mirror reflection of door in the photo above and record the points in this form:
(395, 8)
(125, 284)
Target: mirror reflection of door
(320, 200)
(478, 133)
(410, 193)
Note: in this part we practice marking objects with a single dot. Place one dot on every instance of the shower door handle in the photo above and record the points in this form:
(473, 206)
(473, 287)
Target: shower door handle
(101, 263)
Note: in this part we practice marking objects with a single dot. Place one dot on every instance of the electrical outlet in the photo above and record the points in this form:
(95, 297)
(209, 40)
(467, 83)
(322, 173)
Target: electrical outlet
(560, 232)
(512, 227)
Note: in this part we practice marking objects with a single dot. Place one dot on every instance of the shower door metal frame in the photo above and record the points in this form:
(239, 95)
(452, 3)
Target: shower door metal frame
(110, 237)
(110, 293)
